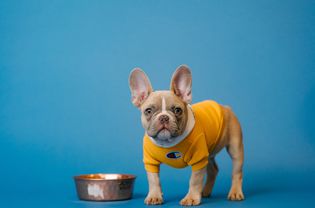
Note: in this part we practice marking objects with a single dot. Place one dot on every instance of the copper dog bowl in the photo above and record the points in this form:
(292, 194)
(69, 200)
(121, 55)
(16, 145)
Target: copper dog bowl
(104, 187)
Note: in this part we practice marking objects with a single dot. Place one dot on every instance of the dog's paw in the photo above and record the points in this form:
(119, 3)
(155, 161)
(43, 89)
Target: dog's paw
(236, 194)
(190, 200)
(153, 199)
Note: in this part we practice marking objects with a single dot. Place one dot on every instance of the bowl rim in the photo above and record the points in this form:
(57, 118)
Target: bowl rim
(82, 177)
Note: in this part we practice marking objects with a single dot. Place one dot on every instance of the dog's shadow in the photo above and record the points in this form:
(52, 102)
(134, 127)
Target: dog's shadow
(219, 197)
(250, 193)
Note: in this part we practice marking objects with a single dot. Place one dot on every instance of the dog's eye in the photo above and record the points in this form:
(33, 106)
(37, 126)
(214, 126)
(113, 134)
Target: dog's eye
(178, 111)
(148, 111)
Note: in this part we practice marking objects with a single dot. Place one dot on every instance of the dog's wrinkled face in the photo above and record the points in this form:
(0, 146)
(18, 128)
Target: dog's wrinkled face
(164, 113)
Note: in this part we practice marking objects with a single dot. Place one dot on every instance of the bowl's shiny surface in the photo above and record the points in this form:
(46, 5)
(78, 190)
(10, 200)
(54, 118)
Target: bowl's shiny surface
(104, 187)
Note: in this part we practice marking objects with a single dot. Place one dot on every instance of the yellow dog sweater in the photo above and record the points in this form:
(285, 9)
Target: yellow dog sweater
(195, 148)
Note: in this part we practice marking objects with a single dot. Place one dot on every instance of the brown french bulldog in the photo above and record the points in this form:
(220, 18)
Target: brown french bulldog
(179, 134)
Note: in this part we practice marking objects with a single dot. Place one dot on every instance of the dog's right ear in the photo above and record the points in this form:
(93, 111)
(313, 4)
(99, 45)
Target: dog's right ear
(140, 86)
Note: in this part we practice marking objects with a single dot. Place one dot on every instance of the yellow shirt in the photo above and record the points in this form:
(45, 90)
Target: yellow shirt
(195, 148)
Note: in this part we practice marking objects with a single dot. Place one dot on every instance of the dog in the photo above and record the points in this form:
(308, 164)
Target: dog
(179, 134)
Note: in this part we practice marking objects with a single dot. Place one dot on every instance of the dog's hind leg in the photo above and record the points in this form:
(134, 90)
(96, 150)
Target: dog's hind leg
(235, 149)
(212, 171)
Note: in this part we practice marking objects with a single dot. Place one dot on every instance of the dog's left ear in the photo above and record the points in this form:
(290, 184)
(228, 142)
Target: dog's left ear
(181, 83)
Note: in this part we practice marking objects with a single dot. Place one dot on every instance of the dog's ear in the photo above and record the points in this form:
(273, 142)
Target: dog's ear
(181, 83)
(140, 86)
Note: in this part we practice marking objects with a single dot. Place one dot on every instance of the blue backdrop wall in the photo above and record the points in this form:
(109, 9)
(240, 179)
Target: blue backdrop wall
(65, 103)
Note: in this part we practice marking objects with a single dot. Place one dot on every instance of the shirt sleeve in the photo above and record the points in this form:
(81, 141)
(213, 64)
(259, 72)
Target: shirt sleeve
(150, 163)
(197, 154)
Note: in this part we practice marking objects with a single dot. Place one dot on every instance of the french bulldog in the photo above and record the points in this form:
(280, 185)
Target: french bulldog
(180, 134)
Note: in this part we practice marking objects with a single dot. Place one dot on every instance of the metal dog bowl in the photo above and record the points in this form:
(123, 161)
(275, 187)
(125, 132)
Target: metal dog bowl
(104, 187)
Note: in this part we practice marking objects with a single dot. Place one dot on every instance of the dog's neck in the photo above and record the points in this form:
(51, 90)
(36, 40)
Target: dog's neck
(189, 126)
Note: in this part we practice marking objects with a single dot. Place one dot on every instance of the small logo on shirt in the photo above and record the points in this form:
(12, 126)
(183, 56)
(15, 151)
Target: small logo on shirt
(174, 155)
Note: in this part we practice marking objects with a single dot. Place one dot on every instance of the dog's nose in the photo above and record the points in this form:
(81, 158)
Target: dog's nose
(164, 119)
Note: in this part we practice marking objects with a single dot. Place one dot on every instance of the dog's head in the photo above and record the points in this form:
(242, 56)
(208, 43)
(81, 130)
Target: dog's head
(164, 114)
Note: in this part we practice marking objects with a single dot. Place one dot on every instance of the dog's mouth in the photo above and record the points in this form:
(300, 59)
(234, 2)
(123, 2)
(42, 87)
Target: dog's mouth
(163, 128)
(163, 134)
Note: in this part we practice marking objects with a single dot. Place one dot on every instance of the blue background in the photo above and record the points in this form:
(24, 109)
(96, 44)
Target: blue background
(65, 103)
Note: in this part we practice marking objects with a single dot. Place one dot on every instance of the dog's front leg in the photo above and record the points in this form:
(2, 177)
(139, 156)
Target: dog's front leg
(193, 197)
(155, 192)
